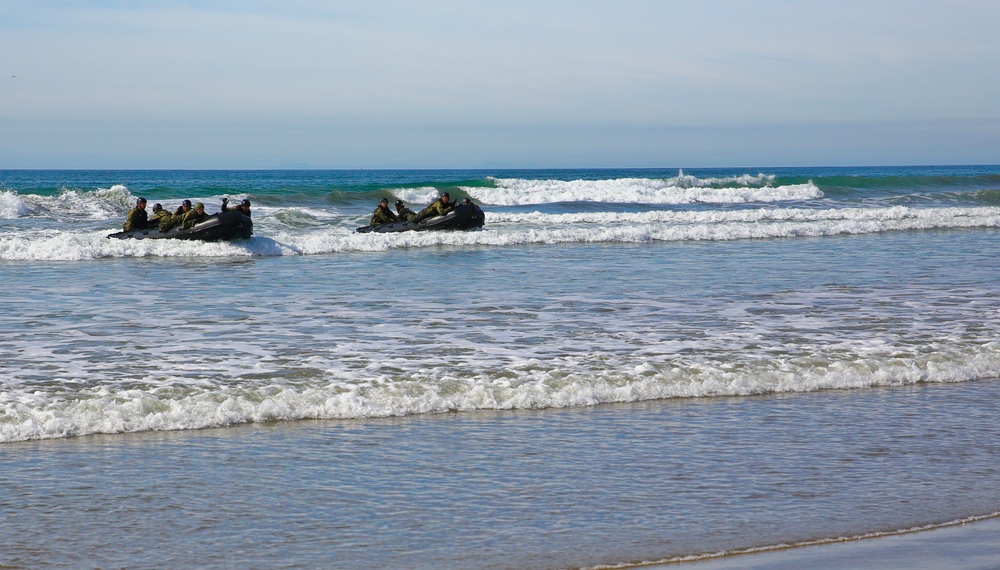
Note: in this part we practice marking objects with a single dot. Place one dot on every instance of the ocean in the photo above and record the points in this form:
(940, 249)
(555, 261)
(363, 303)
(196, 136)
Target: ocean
(621, 366)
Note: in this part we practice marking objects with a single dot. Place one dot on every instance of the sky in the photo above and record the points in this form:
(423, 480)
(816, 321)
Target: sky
(497, 84)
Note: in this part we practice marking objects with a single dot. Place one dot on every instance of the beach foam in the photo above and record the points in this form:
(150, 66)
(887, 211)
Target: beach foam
(208, 393)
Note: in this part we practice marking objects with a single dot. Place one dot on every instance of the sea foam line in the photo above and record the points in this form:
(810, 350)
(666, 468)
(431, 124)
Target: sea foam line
(517, 192)
(171, 404)
(512, 229)
(986, 215)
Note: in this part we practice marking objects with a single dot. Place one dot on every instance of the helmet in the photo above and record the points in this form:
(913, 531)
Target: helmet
(245, 202)
(399, 203)
(157, 207)
(199, 205)
(140, 201)
(186, 203)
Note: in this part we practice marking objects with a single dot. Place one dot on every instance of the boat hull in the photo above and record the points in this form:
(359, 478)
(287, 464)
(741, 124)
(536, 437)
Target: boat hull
(218, 227)
(463, 217)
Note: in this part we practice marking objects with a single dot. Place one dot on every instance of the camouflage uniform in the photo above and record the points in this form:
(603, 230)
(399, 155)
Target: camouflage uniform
(158, 217)
(168, 221)
(404, 213)
(381, 215)
(243, 208)
(137, 219)
(192, 217)
(438, 208)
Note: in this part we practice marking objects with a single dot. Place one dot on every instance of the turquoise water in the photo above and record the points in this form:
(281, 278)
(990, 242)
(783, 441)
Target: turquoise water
(620, 366)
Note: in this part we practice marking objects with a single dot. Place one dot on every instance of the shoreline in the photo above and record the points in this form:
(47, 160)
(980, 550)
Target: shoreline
(496, 489)
(975, 541)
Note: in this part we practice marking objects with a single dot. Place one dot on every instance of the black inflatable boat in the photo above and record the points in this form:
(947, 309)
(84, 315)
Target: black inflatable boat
(225, 226)
(463, 217)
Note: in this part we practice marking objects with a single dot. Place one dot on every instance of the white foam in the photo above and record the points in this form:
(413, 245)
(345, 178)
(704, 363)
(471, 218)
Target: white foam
(178, 403)
(334, 233)
(11, 205)
(520, 192)
(100, 204)
(68, 246)
(416, 196)
(742, 180)
(865, 219)
(298, 358)
(299, 217)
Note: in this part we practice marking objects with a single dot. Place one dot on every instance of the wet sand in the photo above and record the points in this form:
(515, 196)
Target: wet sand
(970, 546)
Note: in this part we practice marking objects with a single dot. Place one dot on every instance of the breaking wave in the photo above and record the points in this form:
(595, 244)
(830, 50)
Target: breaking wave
(685, 190)
(176, 404)
(302, 232)
(11, 206)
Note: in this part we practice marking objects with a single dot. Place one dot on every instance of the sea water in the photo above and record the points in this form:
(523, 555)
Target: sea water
(622, 365)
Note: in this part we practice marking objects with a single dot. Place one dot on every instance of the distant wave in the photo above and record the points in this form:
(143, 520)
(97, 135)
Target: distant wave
(929, 217)
(903, 184)
(741, 190)
(114, 200)
(988, 196)
(98, 204)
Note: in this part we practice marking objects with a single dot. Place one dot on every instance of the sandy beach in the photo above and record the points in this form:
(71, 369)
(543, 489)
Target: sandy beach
(971, 546)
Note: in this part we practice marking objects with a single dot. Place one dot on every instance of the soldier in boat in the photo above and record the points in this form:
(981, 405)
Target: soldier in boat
(439, 207)
(383, 214)
(137, 218)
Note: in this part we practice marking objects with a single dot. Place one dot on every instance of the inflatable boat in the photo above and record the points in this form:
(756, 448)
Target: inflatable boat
(463, 217)
(225, 226)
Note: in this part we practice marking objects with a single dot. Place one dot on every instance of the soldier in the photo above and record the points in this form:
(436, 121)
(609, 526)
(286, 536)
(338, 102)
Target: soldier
(167, 222)
(382, 214)
(137, 218)
(184, 208)
(404, 213)
(440, 207)
(194, 216)
(158, 214)
(244, 206)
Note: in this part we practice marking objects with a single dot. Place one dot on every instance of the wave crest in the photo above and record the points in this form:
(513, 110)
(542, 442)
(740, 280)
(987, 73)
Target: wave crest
(529, 384)
(738, 190)
(11, 205)
(308, 232)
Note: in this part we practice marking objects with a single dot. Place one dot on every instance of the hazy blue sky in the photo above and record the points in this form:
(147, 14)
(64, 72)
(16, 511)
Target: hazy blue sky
(467, 84)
